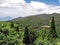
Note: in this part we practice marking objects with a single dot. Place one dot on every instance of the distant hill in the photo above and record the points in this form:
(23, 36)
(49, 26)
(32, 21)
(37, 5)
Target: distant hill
(16, 19)
(37, 20)
(40, 16)
(5, 18)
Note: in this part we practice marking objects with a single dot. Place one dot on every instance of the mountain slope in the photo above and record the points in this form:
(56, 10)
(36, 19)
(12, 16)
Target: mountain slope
(37, 21)
(40, 16)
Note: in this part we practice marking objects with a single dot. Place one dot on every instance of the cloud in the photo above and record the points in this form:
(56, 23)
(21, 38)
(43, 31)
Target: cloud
(59, 1)
(45, 8)
(2, 1)
(38, 5)
(17, 8)
(16, 1)
(11, 2)
(5, 4)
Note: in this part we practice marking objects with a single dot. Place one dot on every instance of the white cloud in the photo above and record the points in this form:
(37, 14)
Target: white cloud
(16, 1)
(45, 8)
(2, 1)
(38, 5)
(11, 2)
(16, 8)
(5, 4)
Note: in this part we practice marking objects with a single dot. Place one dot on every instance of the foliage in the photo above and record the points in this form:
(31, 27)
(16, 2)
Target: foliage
(38, 32)
(53, 29)
(26, 39)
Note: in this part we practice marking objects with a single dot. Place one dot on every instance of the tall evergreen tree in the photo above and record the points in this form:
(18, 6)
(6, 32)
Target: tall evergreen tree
(26, 39)
(53, 29)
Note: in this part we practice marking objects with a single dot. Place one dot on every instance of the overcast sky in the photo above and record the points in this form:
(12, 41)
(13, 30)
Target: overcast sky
(17, 8)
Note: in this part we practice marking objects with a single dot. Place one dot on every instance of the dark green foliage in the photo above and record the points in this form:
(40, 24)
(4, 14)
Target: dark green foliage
(53, 29)
(1, 30)
(40, 43)
(26, 39)
(2, 43)
(6, 32)
(17, 28)
(12, 25)
(33, 36)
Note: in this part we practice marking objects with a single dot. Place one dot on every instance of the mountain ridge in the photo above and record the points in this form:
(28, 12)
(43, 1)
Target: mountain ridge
(45, 16)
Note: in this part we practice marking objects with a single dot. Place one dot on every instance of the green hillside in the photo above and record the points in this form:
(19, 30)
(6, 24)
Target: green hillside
(41, 16)
(38, 20)
(37, 30)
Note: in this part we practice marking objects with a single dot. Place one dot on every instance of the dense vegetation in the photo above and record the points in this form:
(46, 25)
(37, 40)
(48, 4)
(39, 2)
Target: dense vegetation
(30, 30)
(37, 21)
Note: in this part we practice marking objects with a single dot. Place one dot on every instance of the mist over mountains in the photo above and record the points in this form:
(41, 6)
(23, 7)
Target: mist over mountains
(5, 18)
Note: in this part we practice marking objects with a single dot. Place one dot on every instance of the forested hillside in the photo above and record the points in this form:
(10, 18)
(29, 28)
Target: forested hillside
(37, 21)
(32, 30)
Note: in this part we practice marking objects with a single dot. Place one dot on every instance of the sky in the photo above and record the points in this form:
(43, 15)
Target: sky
(53, 2)
(22, 8)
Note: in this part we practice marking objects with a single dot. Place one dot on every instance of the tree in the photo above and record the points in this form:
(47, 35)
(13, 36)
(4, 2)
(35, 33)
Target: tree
(12, 25)
(26, 39)
(17, 28)
(33, 36)
(6, 32)
(53, 29)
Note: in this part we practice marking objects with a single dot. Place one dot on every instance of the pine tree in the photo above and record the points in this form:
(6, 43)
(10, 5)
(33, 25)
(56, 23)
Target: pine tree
(53, 29)
(26, 39)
